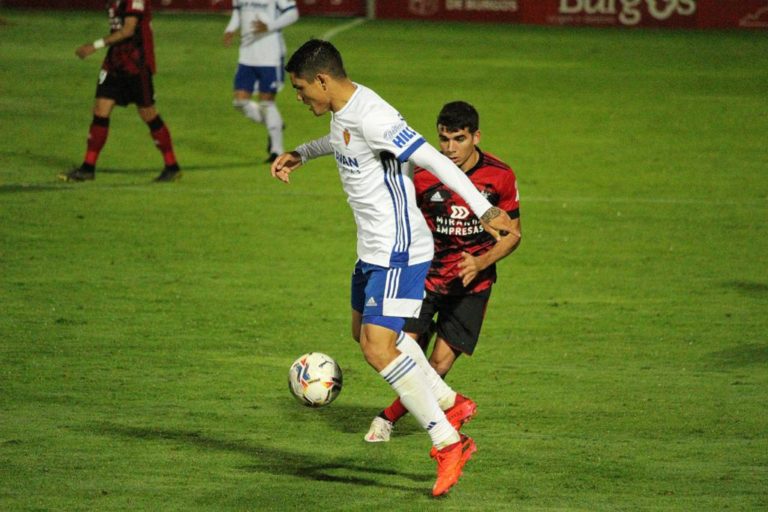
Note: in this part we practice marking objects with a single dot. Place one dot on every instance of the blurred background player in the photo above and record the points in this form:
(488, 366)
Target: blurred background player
(463, 269)
(374, 148)
(260, 64)
(125, 78)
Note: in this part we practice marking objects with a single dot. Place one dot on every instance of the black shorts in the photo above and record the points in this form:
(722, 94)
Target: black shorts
(126, 89)
(459, 318)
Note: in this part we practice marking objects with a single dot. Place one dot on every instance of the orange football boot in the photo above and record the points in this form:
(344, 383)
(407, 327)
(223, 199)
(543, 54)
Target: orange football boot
(450, 461)
(462, 410)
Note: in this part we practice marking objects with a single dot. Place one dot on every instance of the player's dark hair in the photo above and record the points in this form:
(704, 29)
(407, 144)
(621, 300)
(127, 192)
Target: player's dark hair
(314, 57)
(458, 115)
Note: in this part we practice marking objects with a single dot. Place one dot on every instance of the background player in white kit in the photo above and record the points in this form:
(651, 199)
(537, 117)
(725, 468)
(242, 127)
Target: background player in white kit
(374, 147)
(260, 64)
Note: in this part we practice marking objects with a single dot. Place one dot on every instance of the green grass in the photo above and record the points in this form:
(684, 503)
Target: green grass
(146, 331)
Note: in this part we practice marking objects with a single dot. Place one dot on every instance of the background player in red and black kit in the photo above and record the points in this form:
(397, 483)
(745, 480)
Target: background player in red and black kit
(125, 78)
(463, 270)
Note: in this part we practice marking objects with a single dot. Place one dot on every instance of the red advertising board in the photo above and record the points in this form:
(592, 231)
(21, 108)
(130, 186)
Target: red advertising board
(751, 14)
(332, 7)
(502, 11)
(748, 14)
(306, 7)
(612, 13)
(193, 5)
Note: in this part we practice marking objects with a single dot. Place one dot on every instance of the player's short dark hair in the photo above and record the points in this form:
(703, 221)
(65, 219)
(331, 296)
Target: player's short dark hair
(314, 57)
(458, 115)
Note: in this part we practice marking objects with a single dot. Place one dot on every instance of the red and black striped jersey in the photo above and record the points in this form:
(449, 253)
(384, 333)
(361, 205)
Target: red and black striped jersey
(456, 229)
(137, 53)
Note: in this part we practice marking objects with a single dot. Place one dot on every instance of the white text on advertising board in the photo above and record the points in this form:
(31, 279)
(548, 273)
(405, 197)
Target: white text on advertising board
(628, 11)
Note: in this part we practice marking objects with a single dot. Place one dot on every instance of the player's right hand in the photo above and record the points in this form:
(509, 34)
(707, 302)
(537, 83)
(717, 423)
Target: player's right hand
(85, 50)
(284, 165)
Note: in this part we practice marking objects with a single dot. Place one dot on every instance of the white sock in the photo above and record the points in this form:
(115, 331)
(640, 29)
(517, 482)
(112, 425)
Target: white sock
(445, 395)
(274, 122)
(409, 382)
(249, 110)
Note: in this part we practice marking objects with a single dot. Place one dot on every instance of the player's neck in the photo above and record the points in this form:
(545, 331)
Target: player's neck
(341, 93)
(471, 161)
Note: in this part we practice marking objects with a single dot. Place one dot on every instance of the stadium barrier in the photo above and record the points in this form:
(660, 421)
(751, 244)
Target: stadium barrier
(698, 14)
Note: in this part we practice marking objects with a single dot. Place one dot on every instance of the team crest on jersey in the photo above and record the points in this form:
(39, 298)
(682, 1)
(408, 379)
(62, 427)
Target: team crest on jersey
(347, 137)
(138, 5)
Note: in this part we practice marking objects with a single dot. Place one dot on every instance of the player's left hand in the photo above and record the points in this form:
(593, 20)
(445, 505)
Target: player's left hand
(85, 50)
(259, 27)
(469, 267)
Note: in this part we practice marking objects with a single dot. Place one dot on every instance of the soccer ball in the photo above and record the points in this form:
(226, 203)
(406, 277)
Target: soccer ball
(315, 379)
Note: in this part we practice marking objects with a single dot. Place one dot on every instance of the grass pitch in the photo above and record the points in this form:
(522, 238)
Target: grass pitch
(146, 330)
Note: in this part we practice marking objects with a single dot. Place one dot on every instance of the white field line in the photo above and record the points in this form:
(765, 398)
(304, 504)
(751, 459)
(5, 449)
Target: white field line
(342, 28)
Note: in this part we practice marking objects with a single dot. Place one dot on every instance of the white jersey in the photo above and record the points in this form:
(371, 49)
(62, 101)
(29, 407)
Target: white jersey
(372, 143)
(267, 48)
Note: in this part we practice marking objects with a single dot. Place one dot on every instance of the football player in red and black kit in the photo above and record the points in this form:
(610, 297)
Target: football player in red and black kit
(125, 78)
(463, 270)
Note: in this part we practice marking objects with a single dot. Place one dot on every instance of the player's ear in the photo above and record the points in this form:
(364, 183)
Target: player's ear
(322, 79)
(476, 138)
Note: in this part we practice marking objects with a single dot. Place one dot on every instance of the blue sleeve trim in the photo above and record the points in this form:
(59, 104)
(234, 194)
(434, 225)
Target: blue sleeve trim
(405, 155)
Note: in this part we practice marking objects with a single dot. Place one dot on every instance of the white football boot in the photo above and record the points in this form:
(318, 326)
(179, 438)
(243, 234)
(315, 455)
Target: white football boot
(380, 430)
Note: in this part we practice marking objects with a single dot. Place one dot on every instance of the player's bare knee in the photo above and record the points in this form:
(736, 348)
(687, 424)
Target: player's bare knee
(376, 359)
(147, 114)
(376, 355)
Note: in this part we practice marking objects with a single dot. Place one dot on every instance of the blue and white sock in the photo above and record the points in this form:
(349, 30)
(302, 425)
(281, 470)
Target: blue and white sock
(445, 395)
(274, 123)
(249, 109)
(409, 382)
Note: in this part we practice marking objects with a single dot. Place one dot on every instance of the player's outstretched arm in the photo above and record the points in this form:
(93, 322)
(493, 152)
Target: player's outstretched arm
(285, 164)
(289, 162)
(493, 219)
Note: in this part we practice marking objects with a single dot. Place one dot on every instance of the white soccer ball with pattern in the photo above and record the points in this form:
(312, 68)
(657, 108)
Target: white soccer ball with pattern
(315, 379)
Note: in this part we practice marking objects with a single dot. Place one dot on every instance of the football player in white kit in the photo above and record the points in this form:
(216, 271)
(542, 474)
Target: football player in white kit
(374, 149)
(260, 64)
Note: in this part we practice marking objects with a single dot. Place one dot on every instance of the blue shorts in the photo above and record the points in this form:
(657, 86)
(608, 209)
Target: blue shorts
(386, 296)
(266, 78)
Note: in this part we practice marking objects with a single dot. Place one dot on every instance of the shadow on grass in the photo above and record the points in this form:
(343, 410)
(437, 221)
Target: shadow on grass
(751, 288)
(56, 185)
(184, 168)
(276, 461)
(50, 160)
(352, 419)
(13, 188)
(743, 355)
